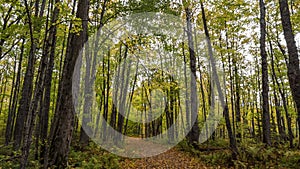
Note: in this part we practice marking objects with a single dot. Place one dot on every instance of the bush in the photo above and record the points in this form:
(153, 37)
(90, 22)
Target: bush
(93, 157)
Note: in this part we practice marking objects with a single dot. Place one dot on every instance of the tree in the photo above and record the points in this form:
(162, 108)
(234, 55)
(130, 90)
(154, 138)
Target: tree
(233, 145)
(14, 100)
(293, 59)
(89, 78)
(62, 126)
(265, 86)
(24, 103)
(193, 135)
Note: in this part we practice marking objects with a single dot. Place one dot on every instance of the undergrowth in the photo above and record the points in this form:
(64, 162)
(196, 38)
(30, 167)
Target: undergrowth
(89, 157)
(251, 155)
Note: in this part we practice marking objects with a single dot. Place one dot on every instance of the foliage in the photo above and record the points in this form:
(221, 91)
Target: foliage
(251, 155)
(89, 157)
(9, 159)
(93, 157)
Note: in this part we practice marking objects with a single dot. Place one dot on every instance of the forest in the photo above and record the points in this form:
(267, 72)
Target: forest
(149, 84)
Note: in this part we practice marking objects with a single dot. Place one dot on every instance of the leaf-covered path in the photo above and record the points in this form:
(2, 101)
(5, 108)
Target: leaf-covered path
(171, 159)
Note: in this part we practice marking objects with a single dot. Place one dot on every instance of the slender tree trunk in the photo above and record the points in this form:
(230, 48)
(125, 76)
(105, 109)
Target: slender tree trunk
(88, 84)
(3, 90)
(293, 60)
(282, 93)
(232, 139)
(124, 89)
(237, 100)
(252, 120)
(231, 86)
(44, 118)
(45, 69)
(107, 87)
(187, 100)
(28, 82)
(131, 97)
(12, 88)
(193, 135)
(265, 86)
(12, 110)
(277, 105)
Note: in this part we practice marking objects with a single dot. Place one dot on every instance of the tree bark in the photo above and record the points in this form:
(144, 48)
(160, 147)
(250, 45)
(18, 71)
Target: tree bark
(265, 86)
(293, 60)
(62, 126)
(193, 135)
(27, 84)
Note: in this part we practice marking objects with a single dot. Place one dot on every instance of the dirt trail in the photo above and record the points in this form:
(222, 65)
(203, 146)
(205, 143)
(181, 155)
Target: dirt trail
(171, 159)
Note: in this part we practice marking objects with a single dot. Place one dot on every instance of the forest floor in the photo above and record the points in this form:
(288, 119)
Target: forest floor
(210, 155)
(172, 158)
(213, 154)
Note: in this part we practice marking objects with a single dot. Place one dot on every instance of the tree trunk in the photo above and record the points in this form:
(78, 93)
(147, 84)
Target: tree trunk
(237, 100)
(62, 126)
(45, 70)
(27, 84)
(187, 100)
(44, 117)
(89, 81)
(232, 139)
(265, 86)
(88, 84)
(124, 89)
(281, 90)
(293, 63)
(193, 135)
(12, 110)
(277, 105)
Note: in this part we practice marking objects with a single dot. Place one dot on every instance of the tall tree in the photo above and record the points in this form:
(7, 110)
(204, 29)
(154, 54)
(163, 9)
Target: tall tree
(41, 100)
(89, 80)
(62, 126)
(193, 135)
(231, 135)
(265, 85)
(277, 105)
(26, 94)
(14, 100)
(293, 59)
